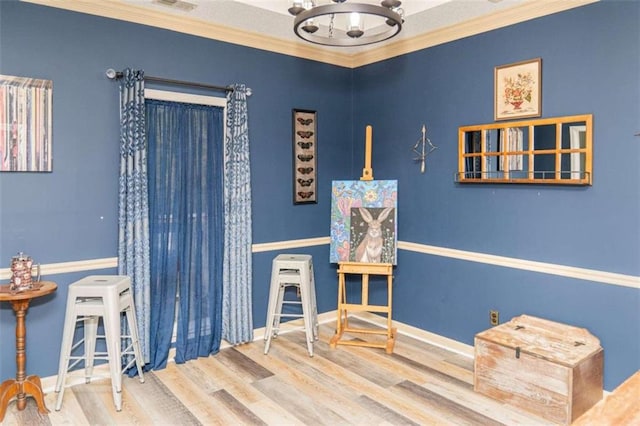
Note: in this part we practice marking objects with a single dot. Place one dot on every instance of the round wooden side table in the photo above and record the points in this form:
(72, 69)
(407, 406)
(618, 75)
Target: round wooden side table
(23, 385)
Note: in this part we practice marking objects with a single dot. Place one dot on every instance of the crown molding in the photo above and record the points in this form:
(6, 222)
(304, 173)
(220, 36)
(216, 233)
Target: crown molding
(524, 12)
(116, 9)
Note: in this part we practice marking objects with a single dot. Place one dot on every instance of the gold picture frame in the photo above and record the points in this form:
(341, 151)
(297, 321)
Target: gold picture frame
(518, 90)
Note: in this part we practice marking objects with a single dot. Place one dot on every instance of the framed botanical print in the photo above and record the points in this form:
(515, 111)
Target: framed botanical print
(518, 90)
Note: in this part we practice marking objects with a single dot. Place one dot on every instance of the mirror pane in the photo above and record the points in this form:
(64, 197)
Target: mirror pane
(491, 169)
(473, 142)
(492, 142)
(544, 166)
(574, 135)
(472, 167)
(518, 166)
(573, 165)
(544, 137)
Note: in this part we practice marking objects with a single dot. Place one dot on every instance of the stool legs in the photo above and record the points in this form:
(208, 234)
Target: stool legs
(111, 329)
(135, 341)
(110, 305)
(307, 310)
(90, 336)
(312, 301)
(274, 289)
(134, 345)
(65, 352)
(292, 271)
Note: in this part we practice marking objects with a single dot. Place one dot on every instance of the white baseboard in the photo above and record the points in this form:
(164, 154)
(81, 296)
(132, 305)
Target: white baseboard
(76, 377)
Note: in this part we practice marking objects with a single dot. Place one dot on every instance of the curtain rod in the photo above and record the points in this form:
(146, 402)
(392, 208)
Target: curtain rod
(115, 75)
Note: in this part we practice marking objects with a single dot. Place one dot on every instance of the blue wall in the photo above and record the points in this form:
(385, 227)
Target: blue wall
(71, 213)
(590, 65)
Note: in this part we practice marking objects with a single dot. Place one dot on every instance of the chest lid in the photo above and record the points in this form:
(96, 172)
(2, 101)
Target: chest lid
(559, 343)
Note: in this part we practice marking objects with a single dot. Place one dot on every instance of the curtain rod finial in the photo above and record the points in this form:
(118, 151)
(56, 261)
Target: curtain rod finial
(111, 74)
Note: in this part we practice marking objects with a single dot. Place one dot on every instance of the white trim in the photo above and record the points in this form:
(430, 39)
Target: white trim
(67, 267)
(283, 245)
(188, 98)
(593, 275)
(418, 334)
(527, 265)
(521, 13)
(131, 13)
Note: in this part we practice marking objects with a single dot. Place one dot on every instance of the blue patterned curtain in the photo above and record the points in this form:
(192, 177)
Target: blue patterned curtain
(186, 214)
(133, 222)
(237, 320)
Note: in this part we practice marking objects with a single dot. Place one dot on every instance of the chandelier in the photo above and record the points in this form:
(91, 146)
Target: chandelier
(346, 24)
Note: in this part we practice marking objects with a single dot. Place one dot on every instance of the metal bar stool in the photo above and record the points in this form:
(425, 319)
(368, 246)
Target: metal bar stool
(292, 270)
(106, 296)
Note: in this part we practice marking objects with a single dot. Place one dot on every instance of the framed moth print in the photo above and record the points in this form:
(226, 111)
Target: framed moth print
(25, 124)
(305, 161)
(518, 90)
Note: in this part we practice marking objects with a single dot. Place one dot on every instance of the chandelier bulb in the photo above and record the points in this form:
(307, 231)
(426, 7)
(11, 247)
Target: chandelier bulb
(355, 33)
(296, 7)
(310, 27)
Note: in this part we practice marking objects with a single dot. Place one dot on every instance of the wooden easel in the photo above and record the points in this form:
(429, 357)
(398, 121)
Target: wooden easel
(364, 269)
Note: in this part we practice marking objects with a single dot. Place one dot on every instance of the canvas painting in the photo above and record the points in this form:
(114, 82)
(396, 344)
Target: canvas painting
(25, 124)
(364, 224)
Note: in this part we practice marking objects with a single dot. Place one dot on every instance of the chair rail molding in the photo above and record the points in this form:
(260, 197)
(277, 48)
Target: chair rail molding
(585, 274)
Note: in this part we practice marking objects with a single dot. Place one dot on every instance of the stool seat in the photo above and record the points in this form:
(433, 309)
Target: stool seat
(88, 300)
(292, 270)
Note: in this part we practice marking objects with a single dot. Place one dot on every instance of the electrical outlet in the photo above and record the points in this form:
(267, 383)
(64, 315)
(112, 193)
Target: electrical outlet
(494, 317)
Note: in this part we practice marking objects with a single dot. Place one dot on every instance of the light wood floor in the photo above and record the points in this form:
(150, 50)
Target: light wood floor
(418, 384)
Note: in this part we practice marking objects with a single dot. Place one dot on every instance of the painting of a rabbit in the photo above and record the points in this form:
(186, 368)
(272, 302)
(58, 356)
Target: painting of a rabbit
(372, 235)
(364, 225)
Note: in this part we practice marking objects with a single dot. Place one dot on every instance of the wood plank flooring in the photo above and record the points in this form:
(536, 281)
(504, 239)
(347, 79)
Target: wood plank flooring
(419, 384)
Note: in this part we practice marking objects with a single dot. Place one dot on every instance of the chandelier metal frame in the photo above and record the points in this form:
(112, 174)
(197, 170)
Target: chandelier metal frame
(393, 21)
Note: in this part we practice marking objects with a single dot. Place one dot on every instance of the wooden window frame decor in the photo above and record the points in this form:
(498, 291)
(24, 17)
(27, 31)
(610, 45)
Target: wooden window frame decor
(305, 160)
(518, 90)
(25, 124)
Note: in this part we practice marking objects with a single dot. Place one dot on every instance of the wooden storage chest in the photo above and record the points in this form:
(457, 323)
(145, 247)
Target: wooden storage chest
(549, 369)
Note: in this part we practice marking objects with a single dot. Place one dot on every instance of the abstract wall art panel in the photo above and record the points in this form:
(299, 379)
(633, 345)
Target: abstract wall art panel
(25, 124)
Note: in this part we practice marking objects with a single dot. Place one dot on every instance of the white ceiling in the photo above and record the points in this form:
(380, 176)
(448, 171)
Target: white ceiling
(266, 24)
(410, 7)
(270, 17)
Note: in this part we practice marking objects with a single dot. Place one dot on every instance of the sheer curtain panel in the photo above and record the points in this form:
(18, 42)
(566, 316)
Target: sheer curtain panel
(186, 214)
